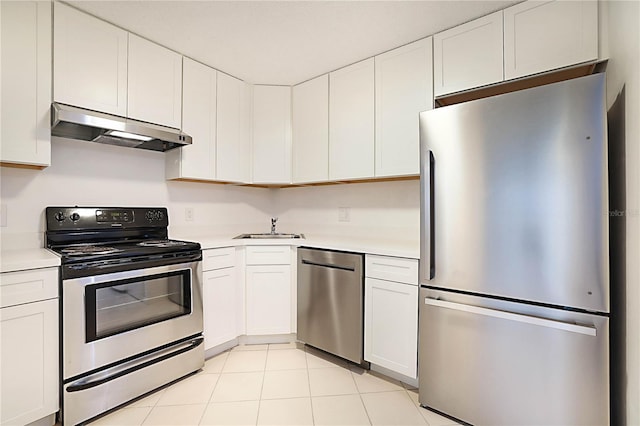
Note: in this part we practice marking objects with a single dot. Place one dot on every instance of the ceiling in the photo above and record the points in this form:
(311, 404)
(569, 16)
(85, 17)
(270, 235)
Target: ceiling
(285, 42)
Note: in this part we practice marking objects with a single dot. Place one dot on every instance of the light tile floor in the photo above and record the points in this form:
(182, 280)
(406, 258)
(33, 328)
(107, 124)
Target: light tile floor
(282, 384)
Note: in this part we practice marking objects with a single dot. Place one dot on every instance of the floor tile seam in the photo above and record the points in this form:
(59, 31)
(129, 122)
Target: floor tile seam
(182, 403)
(212, 391)
(284, 397)
(261, 390)
(285, 369)
(417, 407)
(335, 394)
(232, 400)
(366, 411)
(306, 361)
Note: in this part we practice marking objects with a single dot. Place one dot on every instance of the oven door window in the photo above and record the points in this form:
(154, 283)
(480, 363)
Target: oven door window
(118, 306)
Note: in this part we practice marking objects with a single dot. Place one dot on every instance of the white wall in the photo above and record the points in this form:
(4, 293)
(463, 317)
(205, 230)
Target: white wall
(85, 173)
(377, 210)
(623, 93)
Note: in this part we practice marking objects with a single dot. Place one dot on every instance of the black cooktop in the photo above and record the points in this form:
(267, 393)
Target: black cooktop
(82, 252)
(103, 239)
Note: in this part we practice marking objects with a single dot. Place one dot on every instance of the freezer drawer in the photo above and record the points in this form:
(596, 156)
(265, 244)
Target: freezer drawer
(493, 362)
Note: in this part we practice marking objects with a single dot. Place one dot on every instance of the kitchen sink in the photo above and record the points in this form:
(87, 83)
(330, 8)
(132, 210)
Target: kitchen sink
(267, 235)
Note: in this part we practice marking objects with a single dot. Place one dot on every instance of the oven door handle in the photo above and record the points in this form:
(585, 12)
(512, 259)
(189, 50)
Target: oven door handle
(134, 365)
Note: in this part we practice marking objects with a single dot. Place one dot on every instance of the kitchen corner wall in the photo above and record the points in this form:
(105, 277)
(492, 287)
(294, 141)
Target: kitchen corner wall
(375, 210)
(85, 173)
(621, 31)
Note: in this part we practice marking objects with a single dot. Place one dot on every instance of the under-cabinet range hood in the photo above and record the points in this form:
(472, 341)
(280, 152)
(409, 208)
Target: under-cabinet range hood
(78, 123)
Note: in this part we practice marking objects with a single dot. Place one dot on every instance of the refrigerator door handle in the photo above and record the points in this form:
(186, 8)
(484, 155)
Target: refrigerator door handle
(427, 267)
(559, 325)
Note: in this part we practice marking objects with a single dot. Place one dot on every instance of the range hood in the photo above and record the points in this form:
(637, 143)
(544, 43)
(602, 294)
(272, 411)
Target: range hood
(77, 123)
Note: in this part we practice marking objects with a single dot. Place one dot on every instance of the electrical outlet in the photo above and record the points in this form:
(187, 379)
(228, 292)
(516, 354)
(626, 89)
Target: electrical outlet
(3, 215)
(344, 214)
(189, 214)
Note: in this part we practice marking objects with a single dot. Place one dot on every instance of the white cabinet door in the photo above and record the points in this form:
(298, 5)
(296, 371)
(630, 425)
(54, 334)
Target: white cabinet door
(391, 325)
(29, 362)
(89, 62)
(25, 124)
(544, 35)
(220, 296)
(404, 81)
(198, 160)
(232, 142)
(271, 134)
(351, 121)
(469, 55)
(268, 299)
(310, 115)
(154, 83)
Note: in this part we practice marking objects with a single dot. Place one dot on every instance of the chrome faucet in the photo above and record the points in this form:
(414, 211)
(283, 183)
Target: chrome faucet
(273, 224)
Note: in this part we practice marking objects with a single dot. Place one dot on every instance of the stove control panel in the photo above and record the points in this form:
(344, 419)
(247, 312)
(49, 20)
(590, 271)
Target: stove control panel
(114, 216)
(154, 215)
(81, 218)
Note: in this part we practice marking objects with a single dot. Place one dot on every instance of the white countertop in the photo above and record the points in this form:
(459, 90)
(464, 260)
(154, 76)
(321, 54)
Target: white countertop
(383, 247)
(19, 260)
(23, 259)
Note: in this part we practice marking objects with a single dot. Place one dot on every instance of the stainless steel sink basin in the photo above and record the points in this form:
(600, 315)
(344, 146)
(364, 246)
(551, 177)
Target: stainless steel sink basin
(267, 235)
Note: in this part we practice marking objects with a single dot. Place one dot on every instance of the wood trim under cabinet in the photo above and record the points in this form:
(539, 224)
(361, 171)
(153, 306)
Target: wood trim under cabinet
(521, 84)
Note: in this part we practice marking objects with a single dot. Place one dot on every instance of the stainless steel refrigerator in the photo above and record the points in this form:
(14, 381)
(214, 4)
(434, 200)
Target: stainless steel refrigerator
(514, 299)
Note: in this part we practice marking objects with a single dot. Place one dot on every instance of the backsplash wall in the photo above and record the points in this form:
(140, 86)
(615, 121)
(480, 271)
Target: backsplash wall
(376, 210)
(84, 173)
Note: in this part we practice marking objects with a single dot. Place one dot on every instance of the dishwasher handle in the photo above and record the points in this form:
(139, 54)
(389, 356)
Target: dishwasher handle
(328, 265)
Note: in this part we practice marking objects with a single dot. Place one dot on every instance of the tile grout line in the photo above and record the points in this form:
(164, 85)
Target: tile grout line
(264, 371)
(214, 387)
(360, 396)
(306, 363)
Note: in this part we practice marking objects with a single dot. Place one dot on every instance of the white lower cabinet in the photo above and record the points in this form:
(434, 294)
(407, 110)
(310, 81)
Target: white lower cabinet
(268, 287)
(391, 316)
(29, 346)
(220, 301)
(221, 296)
(268, 299)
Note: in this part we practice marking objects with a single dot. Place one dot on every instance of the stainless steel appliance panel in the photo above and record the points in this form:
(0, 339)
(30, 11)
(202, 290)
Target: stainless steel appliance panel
(82, 354)
(95, 394)
(330, 302)
(515, 195)
(491, 362)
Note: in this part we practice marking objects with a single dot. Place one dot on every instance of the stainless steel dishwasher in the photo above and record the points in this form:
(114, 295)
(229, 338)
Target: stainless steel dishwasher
(330, 302)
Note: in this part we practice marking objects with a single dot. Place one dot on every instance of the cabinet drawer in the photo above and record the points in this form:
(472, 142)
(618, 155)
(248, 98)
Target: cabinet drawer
(28, 286)
(218, 258)
(268, 255)
(396, 269)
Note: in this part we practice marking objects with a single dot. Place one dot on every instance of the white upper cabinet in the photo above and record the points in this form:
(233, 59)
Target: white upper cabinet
(469, 55)
(89, 62)
(404, 82)
(310, 115)
(25, 123)
(545, 35)
(155, 83)
(198, 160)
(233, 147)
(271, 134)
(351, 121)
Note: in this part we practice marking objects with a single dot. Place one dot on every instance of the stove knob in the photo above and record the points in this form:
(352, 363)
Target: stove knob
(75, 216)
(59, 216)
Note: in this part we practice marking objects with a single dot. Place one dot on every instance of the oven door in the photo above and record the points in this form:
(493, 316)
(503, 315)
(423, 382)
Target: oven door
(110, 318)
